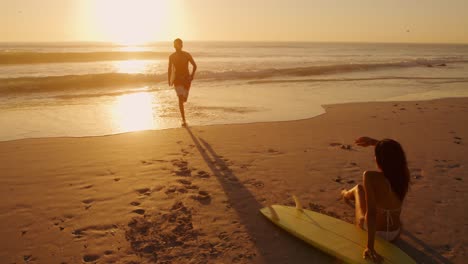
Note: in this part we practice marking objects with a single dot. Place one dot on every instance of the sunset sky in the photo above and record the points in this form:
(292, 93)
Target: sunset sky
(137, 21)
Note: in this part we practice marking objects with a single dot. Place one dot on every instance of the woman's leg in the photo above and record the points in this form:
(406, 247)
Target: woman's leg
(358, 195)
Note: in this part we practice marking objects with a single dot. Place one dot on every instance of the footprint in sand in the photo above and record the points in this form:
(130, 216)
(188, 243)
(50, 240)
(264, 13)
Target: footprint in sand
(87, 201)
(78, 233)
(146, 163)
(182, 168)
(171, 189)
(94, 231)
(346, 147)
(108, 252)
(246, 166)
(90, 257)
(416, 173)
(184, 182)
(143, 191)
(28, 258)
(446, 165)
(182, 190)
(342, 146)
(203, 197)
(139, 211)
(203, 174)
(322, 209)
(192, 187)
(255, 183)
(338, 180)
(135, 203)
(274, 151)
(86, 187)
(185, 152)
(160, 160)
(107, 173)
(174, 189)
(160, 238)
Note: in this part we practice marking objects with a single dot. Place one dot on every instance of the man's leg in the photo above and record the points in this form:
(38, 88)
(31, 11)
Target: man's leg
(187, 90)
(181, 107)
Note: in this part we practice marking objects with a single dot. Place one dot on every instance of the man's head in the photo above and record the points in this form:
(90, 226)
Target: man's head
(178, 44)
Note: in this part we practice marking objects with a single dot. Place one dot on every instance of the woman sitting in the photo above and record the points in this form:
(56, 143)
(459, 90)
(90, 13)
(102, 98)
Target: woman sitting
(379, 199)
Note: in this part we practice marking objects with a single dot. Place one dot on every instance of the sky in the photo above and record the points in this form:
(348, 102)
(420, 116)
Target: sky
(138, 21)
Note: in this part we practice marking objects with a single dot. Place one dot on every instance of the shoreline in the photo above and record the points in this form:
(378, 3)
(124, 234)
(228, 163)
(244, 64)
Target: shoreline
(323, 106)
(111, 198)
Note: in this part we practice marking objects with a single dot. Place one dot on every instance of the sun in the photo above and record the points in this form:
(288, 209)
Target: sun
(132, 22)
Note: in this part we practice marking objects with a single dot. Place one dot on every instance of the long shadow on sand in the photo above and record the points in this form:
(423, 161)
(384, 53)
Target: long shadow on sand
(274, 245)
(429, 255)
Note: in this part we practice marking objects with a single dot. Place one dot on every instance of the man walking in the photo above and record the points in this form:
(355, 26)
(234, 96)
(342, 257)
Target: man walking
(178, 74)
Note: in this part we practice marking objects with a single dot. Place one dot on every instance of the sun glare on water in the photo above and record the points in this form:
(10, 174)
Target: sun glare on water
(132, 22)
(133, 112)
(132, 66)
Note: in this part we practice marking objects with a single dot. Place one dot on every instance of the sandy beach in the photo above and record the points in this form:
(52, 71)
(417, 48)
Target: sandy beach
(192, 195)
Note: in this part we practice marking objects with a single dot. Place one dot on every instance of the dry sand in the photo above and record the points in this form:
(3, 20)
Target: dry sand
(192, 195)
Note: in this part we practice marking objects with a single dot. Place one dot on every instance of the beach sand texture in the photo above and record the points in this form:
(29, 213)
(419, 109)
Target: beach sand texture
(192, 195)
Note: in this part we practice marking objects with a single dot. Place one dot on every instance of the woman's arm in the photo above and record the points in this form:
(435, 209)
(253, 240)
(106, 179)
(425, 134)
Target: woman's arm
(371, 218)
(366, 141)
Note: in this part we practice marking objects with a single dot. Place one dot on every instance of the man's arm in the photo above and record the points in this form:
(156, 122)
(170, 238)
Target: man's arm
(169, 72)
(194, 66)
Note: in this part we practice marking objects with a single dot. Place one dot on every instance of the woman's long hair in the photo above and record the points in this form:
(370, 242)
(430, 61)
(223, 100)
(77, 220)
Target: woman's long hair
(392, 161)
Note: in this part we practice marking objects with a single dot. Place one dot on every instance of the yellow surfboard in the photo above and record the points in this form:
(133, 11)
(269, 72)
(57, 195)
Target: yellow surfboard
(331, 235)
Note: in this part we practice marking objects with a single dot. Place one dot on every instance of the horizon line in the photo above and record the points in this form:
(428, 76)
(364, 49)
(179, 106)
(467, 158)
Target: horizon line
(232, 41)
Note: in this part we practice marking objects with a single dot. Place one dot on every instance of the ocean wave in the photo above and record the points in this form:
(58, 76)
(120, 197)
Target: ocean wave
(10, 58)
(439, 79)
(325, 69)
(70, 82)
(75, 82)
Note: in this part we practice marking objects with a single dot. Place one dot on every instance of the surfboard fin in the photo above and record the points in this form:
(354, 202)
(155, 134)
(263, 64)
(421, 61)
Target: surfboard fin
(274, 215)
(298, 203)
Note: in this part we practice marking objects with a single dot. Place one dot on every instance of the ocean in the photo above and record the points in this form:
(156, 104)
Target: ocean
(94, 89)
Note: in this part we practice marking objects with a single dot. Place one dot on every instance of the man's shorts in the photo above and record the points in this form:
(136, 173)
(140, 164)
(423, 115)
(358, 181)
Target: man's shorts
(181, 91)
